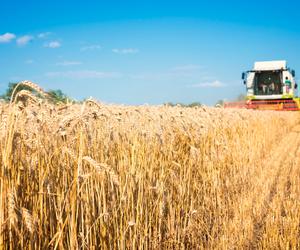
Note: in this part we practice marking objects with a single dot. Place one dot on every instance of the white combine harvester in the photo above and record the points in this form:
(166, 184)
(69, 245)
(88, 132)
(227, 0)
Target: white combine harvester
(270, 85)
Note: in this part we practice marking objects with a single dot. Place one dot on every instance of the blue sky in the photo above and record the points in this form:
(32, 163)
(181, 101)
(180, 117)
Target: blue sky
(136, 52)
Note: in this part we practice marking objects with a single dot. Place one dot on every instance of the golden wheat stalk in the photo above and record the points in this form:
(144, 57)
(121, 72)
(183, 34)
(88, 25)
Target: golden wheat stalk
(101, 167)
(26, 94)
(160, 178)
(93, 102)
(28, 220)
(12, 209)
(35, 87)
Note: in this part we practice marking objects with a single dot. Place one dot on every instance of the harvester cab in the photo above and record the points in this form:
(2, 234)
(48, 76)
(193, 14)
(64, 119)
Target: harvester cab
(270, 85)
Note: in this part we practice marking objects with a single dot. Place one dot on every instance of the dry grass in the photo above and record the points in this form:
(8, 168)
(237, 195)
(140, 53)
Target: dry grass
(119, 177)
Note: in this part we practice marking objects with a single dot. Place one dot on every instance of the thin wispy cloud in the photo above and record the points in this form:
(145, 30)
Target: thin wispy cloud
(213, 84)
(125, 51)
(190, 71)
(167, 76)
(7, 37)
(52, 44)
(29, 61)
(84, 74)
(91, 47)
(44, 35)
(147, 76)
(68, 63)
(24, 40)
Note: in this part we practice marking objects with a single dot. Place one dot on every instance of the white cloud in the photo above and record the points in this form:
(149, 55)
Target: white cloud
(213, 84)
(68, 63)
(29, 61)
(84, 74)
(166, 76)
(23, 40)
(91, 47)
(7, 37)
(53, 44)
(183, 72)
(189, 70)
(125, 51)
(44, 35)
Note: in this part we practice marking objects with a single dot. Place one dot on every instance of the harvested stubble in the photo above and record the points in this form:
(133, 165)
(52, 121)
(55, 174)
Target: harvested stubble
(120, 177)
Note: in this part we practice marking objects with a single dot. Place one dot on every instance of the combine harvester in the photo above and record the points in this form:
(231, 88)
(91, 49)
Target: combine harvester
(270, 85)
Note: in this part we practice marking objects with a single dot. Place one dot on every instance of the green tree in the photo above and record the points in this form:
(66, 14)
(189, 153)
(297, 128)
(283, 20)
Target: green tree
(190, 105)
(220, 103)
(58, 96)
(11, 86)
(194, 104)
(171, 104)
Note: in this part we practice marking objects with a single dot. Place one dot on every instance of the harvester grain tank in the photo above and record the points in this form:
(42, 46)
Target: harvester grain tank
(270, 85)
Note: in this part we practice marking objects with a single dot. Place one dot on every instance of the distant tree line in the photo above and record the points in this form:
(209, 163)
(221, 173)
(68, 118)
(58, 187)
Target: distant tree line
(190, 105)
(57, 96)
(240, 97)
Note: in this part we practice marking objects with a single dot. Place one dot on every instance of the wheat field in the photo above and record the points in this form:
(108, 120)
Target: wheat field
(97, 176)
